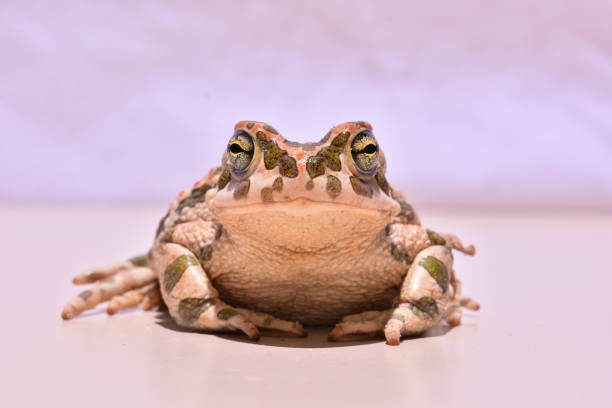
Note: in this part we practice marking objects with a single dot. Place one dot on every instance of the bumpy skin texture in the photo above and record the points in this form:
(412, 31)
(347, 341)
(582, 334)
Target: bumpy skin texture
(283, 234)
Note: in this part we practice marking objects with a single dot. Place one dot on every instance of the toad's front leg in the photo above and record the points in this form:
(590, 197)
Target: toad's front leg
(430, 290)
(189, 293)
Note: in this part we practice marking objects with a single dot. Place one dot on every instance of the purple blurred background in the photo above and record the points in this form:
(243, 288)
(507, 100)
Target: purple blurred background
(474, 104)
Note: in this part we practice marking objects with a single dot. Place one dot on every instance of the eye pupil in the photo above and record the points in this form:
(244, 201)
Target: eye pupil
(236, 148)
(370, 149)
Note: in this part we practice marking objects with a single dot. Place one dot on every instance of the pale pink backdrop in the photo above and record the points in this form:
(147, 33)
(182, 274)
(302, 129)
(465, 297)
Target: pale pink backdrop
(473, 103)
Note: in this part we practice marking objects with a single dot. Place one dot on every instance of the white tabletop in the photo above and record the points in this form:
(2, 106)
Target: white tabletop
(542, 337)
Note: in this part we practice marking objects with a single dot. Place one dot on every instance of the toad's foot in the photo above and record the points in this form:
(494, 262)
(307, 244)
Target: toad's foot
(371, 323)
(126, 285)
(267, 321)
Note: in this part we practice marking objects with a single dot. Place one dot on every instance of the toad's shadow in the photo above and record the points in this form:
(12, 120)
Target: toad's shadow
(317, 336)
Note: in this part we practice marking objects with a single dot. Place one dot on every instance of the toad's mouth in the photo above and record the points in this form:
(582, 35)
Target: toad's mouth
(302, 206)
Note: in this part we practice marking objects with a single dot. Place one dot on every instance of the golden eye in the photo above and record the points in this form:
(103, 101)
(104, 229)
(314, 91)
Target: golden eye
(364, 150)
(241, 150)
(370, 149)
(235, 149)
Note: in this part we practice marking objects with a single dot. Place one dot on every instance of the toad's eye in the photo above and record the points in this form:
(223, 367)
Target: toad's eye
(240, 151)
(364, 150)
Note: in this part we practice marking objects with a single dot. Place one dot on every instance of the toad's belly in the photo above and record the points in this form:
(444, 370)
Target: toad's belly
(314, 289)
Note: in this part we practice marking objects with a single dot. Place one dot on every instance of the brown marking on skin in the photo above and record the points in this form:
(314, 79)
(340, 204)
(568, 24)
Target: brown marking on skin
(309, 185)
(292, 144)
(400, 253)
(175, 270)
(206, 253)
(190, 309)
(277, 185)
(287, 166)
(250, 125)
(437, 270)
(266, 194)
(242, 189)
(406, 214)
(334, 186)
(160, 226)
(197, 195)
(425, 307)
(382, 182)
(360, 187)
(326, 137)
(270, 129)
(226, 314)
(224, 178)
(218, 232)
(86, 294)
(315, 166)
(309, 147)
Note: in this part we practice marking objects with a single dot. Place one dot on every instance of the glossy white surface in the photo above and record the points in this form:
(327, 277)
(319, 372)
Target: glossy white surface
(542, 337)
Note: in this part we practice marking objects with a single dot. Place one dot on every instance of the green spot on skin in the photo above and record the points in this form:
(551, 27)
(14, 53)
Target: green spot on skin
(190, 309)
(242, 189)
(360, 187)
(382, 182)
(309, 185)
(266, 194)
(224, 178)
(267, 321)
(334, 186)
(272, 156)
(341, 139)
(437, 270)
(86, 294)
(315, 166)
(139, 260)
(277, 185)
(398, 316)
(226, 314)
(331, 155)
(288, 167)
(425, 307)
(175, 270)
(435, 238)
